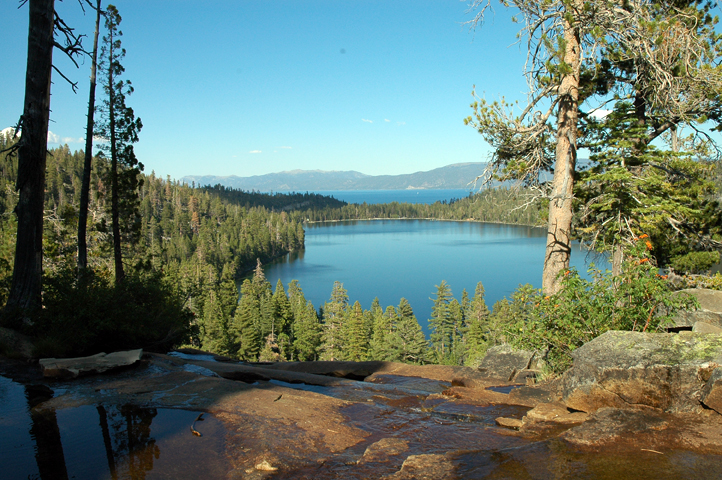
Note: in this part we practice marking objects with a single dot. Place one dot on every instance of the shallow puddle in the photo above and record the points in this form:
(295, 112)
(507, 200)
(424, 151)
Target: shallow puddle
(556, 460)
(504, 388)
(104, 441)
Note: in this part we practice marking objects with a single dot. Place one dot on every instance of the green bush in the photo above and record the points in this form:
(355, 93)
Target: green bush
(637, 300)
(695, 262)
(91, 315)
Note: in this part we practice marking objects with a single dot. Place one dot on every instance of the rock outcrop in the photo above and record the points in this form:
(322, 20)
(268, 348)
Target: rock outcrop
(17, 344)
(712, 391)
(505, 362)
(635, 370)
(709, 313)
(99, 363)
(301, 420)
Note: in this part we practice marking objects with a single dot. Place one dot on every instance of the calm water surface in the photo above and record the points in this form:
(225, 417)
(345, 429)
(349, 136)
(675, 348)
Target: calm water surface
(391, 259)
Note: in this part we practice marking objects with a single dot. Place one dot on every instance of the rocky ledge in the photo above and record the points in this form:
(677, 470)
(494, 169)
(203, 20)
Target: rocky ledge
(388, 420)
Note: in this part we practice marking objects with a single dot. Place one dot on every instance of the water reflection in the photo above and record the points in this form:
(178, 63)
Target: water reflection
(102, 441)
(46, 433)
(127, 438)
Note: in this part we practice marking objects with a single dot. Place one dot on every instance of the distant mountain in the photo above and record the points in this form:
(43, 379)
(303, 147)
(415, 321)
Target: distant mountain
(457, 175)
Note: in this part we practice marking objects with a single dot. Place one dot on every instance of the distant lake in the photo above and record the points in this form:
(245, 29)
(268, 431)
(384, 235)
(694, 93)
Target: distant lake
(391, 259)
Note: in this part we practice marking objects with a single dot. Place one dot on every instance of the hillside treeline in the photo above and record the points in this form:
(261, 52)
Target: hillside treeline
(500, 205)
(189, 240)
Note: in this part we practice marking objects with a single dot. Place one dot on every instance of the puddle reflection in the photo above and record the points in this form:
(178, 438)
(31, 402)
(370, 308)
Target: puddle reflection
(103, 441)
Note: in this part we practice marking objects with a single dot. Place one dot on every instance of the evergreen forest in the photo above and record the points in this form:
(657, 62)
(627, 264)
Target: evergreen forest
(96, 254)
(190, 246)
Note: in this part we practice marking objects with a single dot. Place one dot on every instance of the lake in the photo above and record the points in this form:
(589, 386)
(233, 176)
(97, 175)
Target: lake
(391, 259)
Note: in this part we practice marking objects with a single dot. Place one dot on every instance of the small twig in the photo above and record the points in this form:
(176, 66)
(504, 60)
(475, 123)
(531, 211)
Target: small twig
(195, 432)
(649, 318)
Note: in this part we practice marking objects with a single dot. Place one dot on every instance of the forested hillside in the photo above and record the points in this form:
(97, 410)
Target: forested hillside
(192, 240)
(501, 205)
(185, 247)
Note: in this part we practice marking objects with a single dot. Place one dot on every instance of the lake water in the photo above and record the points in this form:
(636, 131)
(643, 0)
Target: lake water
(391, 259)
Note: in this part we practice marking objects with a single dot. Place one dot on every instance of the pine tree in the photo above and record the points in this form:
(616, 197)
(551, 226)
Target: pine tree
(407, 342)
(383, 327)
(354, 334)
(215, 335)
(120, 128)
(333, 318)
(442, 323)
(261, 291)
(245, 323)
(307, 334)
(458, 331)
(282, 311)
(296, 299)
(477, 336)
(228, 292)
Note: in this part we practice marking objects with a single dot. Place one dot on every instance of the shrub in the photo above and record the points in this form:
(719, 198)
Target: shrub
(637, 300)
(90, 315)
(695, 262)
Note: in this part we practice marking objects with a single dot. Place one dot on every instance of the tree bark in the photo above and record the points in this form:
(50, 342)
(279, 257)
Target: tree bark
(85, 188)
(25, 292)
(560, 206)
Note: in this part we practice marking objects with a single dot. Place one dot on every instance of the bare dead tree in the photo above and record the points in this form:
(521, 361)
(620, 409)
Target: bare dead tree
(87, 166)
(26, 288)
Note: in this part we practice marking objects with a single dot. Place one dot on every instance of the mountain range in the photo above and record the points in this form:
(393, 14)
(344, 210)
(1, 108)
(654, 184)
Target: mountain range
(457, 175)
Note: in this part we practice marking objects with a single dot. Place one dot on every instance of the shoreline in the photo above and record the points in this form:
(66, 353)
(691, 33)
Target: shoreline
(468, 220)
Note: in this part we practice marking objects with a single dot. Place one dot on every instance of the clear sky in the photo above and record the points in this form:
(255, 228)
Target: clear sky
(231, 87)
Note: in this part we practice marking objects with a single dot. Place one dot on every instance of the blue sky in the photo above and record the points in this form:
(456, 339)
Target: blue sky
(252, 87)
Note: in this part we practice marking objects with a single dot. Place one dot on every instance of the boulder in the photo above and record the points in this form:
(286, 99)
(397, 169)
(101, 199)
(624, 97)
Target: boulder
(554, 412)
(509, 422)
(710, 311)
(384, 448)
(527, 376)
(710, 300)
(15, 344)
(712, 391)
(608, 425)
(633, 369)
(704, 327)
(426, 467)
(99, 363)
(505, 362)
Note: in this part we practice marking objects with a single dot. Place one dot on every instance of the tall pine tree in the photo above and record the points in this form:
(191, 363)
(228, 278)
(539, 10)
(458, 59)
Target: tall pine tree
(442, 323)
(333, 318)
(119, 128)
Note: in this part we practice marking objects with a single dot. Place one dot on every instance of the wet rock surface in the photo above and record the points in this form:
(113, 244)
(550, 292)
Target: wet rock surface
(402, 422)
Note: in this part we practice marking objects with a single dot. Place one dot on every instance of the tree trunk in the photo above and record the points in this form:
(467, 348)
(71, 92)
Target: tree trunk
(25, 292)
(560, 206)
(617, 260)
(85, 188)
